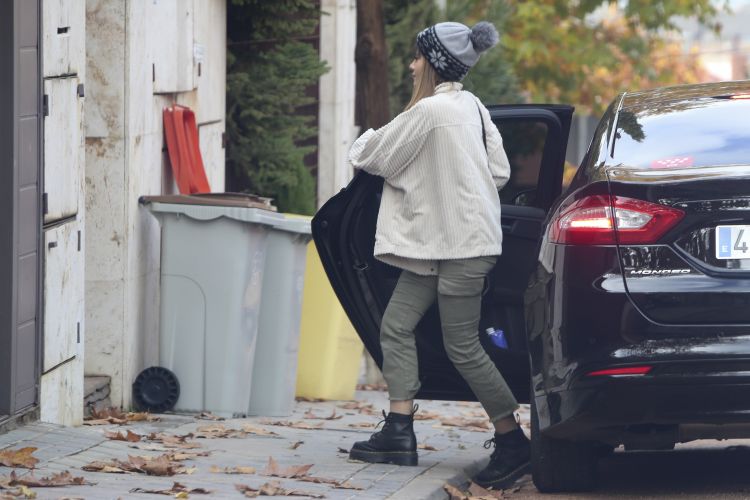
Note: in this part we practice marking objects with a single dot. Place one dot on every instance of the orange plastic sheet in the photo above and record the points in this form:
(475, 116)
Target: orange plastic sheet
(183, 146)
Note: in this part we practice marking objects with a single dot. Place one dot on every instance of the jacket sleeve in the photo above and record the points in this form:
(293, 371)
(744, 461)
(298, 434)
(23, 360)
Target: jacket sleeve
(498, 160)
(390, 149)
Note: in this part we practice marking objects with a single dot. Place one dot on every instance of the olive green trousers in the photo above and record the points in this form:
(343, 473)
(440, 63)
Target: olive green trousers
(458, 290)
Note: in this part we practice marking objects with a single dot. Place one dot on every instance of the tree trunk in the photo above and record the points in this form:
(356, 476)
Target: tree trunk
(371, 55)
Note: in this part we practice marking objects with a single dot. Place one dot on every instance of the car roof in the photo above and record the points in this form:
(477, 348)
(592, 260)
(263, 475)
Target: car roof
(645, 100)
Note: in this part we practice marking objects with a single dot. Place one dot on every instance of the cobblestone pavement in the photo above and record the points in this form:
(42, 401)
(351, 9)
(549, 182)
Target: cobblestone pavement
(452, 453)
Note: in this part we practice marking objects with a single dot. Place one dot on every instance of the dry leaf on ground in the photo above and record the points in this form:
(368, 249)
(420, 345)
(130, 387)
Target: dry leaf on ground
(310, 414)
(21, 457)
(295, 425)
(142, 417)
(114, 415)
(173, 440)
(296, 445)
(361, 425)
(217, 431)
(20, 492)
(61, 479)
(477, 491)
(465, 422)
(258, 431)
(309, 400)
(274, 489)
(175, 490)
(207, 415)
(343, 450)
(162, 465)
(428, 415)
(427, 447)
(233, 470)
(291, 472)
(342, 485)
(131, 436)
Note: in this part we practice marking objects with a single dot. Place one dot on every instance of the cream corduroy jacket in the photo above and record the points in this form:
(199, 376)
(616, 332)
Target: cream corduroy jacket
(440, 196)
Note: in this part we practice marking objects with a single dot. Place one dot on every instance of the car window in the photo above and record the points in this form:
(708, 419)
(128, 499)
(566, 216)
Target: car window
(523, 141)
(684, 134)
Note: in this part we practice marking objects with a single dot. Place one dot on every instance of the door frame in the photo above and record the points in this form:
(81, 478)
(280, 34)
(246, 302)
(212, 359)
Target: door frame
(12, 28)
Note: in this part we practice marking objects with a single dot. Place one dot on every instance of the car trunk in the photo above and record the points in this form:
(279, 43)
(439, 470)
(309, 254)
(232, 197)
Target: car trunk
(698, 272)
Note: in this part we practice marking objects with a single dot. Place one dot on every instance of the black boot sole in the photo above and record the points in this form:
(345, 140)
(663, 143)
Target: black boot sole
(408, 458)
(506, 480)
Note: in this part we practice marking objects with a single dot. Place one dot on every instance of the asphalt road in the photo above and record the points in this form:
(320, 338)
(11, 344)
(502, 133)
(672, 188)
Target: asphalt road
(701, 469)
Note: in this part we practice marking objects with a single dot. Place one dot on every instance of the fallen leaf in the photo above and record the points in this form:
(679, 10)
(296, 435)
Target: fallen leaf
(427, 447)
(183, 455)
(291, 472)
(477, 491)
(233, 470)
(173, 441)
(61, 479)
(342, 485)
(362, 425)
(119, 436)
(177, 489)
(454, 493)
(274, 489)
(343, 450)
(309, 414)
(309, 400)
(141, 417)
(461, 446)
(465, 423)
(218, 431)
(427, 415)
(105, 413)
(296, 445)
(162, 465)
(19, 458)
(258, 431)
(207, 415)
(105, 421)
(26, 492)
(295, 425)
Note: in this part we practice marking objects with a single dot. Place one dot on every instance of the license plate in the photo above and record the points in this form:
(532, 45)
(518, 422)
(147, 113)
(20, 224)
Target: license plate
(733, 242)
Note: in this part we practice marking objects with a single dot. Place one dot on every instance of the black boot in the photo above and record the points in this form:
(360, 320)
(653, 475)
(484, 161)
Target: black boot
(395, 443)
(510, 460)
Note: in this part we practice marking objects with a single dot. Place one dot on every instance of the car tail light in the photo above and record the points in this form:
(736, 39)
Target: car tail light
(589, 221)
(613, 372)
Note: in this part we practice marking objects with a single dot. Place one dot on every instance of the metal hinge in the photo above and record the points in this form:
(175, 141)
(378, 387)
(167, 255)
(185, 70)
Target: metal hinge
(78, 332)
(80, 90)
(79, 241)
(45, 204)
(45, 106)
(223, 140)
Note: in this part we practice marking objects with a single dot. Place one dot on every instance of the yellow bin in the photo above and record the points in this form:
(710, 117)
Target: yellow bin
(330, 352)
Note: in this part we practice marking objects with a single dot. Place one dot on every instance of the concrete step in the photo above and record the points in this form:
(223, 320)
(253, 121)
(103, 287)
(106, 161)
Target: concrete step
(95, 393)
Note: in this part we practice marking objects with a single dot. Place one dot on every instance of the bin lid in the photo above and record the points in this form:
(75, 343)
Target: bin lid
(213, 199)
(211, 212)
(294, 224)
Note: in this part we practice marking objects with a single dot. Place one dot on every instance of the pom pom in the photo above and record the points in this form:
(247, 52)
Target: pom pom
(484, 36)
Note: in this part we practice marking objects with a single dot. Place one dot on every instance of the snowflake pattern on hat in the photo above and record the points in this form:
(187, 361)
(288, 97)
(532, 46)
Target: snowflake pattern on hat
(447, 66)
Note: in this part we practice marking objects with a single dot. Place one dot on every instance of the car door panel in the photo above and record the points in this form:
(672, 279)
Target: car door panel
(344, 233)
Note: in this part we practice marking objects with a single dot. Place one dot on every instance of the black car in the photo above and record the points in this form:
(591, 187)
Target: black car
(625, 300)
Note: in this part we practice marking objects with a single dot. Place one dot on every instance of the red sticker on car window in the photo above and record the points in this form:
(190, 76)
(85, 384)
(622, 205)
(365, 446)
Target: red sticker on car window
(676, 162)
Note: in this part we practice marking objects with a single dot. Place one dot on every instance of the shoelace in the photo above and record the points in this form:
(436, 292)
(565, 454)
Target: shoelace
(385, 420)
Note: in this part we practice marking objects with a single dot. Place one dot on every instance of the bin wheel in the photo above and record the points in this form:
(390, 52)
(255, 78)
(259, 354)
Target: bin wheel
(156, 389)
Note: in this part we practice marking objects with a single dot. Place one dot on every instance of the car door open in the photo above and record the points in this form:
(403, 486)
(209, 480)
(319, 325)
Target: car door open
(535, 139)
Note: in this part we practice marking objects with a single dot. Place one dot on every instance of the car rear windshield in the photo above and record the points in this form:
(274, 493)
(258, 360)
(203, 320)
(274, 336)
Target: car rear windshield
(683, 134)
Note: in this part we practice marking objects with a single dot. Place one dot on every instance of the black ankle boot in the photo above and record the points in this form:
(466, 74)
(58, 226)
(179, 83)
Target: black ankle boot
(510, 460)
(395, 443)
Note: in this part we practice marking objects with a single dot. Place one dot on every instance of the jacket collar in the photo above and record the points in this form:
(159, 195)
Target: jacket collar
(448, 87)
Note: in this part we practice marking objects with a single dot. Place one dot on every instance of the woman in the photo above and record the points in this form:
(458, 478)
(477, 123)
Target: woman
(443, 162)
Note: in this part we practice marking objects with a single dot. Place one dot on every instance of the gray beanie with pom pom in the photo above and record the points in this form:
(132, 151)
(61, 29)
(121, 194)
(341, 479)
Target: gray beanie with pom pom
(452, 48)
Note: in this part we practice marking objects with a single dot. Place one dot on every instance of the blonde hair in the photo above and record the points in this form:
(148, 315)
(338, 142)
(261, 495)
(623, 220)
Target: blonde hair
(425, 85)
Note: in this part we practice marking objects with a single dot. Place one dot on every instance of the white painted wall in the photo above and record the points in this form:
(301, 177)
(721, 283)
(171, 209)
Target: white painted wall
(138, 64)
(61, 384)
(338, 38)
